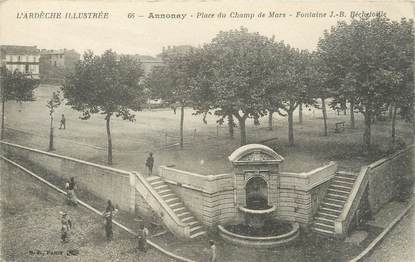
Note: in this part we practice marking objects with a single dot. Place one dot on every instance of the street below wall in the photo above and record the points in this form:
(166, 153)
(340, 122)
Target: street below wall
(399, 244)
(31, 227)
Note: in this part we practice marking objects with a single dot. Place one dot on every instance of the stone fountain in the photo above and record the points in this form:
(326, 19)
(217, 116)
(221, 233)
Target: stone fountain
(256, 169)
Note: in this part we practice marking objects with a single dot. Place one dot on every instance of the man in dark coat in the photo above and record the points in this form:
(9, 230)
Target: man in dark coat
(150, 163)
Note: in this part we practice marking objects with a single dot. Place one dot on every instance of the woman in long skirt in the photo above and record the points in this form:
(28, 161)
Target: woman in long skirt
(71, 196)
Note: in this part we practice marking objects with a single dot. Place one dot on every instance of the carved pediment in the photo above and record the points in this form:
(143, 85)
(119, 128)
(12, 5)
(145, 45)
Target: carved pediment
(255, 153)
(256, 156)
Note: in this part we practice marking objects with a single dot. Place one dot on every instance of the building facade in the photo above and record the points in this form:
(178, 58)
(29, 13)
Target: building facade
(54, 64)
(22, 58)
(62, 58)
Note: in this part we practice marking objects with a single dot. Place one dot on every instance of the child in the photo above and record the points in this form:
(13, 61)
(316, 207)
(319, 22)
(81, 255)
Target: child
(66, 227)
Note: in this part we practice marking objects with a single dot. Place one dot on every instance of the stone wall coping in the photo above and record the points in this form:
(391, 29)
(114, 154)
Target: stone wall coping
(390, 157)
(121, 172)
(204, 183)
(312, 178)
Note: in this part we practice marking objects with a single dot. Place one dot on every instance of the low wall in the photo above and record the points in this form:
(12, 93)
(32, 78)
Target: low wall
(387, 176)
(102, 181)
(300, 194)
(209, 198)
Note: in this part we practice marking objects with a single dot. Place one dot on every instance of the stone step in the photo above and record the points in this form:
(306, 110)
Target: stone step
(155, 183)
(337, 196)
(334, 206)
(331, 210)
(157, 188)
(338, 191)
(167, 196)
(344, 182)
(325, 220)
(324, 226)
(192, 223)
(327, 215)
(194, 228)
(196, 234)
(188, 219)
(340, 187)
(184, 214)
(172, 200)
(346, 174)
(164, 191)
(335, 200)
(153, 178)
(176, 205)
(179, 209)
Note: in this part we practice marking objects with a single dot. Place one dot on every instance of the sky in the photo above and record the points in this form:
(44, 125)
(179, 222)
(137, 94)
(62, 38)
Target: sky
(146, 36)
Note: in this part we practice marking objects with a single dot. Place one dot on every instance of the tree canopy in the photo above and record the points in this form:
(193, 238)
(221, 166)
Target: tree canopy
(362, 61)
(108, 84)
(15, 86)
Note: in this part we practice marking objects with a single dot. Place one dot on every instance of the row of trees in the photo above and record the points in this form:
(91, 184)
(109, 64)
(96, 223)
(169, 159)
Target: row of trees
(366, 64)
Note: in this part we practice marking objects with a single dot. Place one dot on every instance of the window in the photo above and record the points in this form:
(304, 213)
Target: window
(26, 69)
(18, 58)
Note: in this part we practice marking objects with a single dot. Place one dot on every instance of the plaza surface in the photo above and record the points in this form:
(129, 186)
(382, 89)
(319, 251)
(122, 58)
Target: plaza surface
(206, 146)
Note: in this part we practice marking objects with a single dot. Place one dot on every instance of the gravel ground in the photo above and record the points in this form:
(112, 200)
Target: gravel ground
(30, 229)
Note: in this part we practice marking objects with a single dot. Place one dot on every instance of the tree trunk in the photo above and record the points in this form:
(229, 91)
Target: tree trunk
(366, 134)
(323, 106)
(243, 130)
(51, 134)
(290, 128)
(390, 112)
(270, 113)
(181, 125)
(230, 126)
(3, 101)
(108, 118)
(352, 122)
(300, 113)
(394, 122)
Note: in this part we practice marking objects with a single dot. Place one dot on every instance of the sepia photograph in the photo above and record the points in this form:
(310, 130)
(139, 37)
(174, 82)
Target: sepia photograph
(207, 130)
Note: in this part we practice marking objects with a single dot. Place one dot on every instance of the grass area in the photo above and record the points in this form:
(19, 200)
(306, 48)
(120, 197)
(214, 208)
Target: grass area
(207, 146)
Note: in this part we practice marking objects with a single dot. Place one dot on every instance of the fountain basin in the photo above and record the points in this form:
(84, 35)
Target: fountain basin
(257, 211)
(259, 241)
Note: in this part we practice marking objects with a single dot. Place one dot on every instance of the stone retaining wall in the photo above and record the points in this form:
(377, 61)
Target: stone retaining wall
(300, 194)
(209, 198)
(387, 177)
(102, 181)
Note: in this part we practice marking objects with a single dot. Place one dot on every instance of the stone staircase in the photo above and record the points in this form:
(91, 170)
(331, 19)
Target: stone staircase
(332, 205)
(177, 206)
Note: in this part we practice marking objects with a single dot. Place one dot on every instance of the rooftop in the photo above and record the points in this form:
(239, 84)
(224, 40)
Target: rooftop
(19, 50)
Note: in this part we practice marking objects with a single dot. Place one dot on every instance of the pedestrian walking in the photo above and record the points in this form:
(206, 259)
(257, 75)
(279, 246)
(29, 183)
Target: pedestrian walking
(63, 122)
(108, 214)
(212, 251)
(150, 163)
(142, 238)
(66, 226)
(70, 192)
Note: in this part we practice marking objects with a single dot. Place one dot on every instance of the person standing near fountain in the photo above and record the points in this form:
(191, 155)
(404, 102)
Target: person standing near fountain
(150, 163)
(212, 251)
